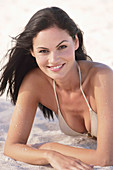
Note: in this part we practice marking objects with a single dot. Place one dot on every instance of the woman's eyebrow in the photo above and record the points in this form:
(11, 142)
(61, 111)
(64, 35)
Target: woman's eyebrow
(56, 46)
(42, 48)
(61, 42)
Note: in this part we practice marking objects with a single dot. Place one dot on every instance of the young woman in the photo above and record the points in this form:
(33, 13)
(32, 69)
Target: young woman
(49, 61)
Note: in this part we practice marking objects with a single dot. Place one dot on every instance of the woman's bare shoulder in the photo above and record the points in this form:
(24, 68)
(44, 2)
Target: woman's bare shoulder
(99, 72)
(34, 81)
(95, 71)
(95, 67)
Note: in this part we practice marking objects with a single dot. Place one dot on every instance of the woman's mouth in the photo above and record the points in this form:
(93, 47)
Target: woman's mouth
(56, 68)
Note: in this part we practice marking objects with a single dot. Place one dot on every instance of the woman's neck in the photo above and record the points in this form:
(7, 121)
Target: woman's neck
(71, 81)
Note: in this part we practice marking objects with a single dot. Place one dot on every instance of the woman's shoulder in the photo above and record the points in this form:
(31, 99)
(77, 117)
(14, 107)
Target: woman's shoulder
(95, 67)
(34, 80)
(95, 71)
(98, 72)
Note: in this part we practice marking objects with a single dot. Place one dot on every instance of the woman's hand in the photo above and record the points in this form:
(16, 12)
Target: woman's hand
(62, 162)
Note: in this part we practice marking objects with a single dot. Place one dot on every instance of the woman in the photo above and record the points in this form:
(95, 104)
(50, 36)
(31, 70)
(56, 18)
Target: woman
(49, 61)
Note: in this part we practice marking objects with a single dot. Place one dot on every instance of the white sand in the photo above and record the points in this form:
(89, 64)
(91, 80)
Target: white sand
(95, 18)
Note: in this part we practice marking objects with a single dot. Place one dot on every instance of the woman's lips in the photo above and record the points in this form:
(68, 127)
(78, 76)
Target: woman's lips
(56, 68)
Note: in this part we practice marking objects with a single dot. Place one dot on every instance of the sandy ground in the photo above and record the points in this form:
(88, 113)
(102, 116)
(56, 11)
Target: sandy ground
(95, 18)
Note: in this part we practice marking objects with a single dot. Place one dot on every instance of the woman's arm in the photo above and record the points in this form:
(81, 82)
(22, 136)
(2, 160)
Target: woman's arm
(86, 155)
(103, 155)
(20, 126)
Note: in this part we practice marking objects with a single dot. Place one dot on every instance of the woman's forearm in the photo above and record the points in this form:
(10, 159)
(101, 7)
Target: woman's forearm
(88, 156)
(43, 155)
(25, 153)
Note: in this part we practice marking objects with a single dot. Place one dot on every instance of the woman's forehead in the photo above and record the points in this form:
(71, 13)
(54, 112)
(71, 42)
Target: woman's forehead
(54, 34)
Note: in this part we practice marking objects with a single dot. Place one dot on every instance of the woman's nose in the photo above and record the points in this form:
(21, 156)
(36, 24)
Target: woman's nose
(53, 58)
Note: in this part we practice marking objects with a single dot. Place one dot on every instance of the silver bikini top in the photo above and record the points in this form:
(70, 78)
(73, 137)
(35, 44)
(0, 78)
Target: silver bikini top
(62, 123)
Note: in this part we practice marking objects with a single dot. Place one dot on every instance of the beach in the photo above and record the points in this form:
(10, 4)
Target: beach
(95, 19)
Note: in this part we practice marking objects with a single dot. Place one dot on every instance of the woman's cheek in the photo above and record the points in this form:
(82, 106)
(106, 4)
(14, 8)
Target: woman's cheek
(41, 60)
(69, 54)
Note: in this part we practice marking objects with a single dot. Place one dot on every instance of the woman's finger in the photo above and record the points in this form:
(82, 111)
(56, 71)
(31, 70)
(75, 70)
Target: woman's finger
(83, 166)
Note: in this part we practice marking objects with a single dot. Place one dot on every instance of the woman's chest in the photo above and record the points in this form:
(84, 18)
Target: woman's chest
(75, 110)
(73, 107)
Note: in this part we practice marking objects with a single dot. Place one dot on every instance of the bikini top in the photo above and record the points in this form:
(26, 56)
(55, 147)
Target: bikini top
(62, 123)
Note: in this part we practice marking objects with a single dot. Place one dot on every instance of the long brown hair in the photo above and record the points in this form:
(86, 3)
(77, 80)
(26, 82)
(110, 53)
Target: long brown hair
(20, 59)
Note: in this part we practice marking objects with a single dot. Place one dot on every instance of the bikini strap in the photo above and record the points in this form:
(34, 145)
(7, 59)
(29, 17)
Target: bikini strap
(54, 88)
(82, 89)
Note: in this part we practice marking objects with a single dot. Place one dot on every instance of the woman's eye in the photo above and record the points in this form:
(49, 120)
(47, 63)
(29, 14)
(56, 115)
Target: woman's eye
(62, 47)
(43, 51)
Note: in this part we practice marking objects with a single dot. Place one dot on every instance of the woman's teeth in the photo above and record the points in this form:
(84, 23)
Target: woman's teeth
(57, 67)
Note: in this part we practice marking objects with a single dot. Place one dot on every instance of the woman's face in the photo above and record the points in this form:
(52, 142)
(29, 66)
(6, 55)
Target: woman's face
(54, 50)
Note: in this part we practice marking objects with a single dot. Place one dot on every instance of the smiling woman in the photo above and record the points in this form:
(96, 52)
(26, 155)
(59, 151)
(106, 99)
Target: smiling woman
(56, 57)
(49, 61)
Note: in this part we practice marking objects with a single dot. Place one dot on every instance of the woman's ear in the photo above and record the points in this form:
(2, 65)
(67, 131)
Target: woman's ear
(32, 53)
(76, 42)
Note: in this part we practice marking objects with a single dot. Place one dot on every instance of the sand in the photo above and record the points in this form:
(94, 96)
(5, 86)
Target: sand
(95, 18)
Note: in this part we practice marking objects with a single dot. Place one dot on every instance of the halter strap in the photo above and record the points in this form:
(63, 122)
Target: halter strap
(54, 88)
(82, 89)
